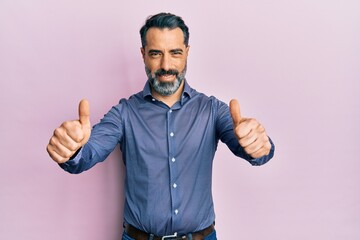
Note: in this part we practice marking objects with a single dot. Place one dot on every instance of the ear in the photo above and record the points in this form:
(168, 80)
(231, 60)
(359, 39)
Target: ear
(142, 52)
(187, 49)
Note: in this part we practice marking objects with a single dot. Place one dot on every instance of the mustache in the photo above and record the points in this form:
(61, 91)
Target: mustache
(161, 72)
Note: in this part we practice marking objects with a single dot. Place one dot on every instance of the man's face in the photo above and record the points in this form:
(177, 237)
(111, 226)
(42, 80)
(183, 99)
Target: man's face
(165, 56)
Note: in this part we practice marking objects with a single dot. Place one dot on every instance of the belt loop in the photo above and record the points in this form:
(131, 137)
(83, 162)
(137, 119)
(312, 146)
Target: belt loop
(151, 236)
(189, 236)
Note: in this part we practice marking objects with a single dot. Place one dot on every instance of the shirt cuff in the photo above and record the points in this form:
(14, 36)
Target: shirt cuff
(264, 159)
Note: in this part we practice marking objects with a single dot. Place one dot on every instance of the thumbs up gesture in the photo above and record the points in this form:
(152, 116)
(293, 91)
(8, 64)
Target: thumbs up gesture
(249, 132)
(71, 135)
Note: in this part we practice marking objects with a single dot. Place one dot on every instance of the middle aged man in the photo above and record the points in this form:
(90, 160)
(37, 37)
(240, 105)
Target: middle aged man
(168, 134)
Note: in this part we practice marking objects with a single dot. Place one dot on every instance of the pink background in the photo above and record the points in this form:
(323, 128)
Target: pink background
(293, 65)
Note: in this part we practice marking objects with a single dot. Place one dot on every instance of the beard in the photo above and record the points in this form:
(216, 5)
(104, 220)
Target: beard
(165, 88)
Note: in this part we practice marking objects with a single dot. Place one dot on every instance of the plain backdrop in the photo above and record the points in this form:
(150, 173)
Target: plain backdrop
(293, 65)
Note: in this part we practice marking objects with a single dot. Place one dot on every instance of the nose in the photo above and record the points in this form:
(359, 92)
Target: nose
(166, 62)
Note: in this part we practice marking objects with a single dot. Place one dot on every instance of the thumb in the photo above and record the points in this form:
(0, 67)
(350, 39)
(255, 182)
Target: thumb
(235, 111)
(84, 113)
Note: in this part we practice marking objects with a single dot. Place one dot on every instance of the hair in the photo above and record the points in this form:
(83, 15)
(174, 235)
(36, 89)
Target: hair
(162, 21)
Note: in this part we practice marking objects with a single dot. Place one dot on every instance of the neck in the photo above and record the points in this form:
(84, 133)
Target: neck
(171, 99)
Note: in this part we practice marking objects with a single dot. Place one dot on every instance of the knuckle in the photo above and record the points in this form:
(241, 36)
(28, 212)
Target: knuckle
(247, 150)
(252, 120)
(63, 154)
(73, 147)
(67, 154)
(264, 152)
(78, 137)
(66, 124)
(49, 149)
(266, 139)
(260, 135)
(70, 125)
(268, 146)
(52, 141)
(55, 157)
(57, 132)
(60, 160)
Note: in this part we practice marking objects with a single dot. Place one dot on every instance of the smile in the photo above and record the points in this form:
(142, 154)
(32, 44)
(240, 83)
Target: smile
(166, 77)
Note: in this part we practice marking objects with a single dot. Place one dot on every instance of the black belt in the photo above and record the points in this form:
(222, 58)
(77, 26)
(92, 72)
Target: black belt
(141, 235)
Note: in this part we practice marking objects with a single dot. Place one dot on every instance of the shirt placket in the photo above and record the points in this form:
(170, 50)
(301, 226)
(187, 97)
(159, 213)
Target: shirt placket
(173, 169)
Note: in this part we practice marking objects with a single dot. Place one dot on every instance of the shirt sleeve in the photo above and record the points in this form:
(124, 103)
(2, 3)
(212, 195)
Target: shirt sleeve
(225, 132)
(103, 139)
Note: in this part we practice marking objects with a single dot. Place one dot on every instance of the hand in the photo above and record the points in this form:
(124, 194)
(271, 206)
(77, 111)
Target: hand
(71, 135)
(249, 132)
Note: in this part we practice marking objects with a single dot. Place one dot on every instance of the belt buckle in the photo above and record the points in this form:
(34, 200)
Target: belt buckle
(169, 236)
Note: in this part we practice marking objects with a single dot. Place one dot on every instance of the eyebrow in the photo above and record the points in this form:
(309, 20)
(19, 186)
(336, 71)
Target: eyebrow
(154, 51)
(176, 50)
(171, 51)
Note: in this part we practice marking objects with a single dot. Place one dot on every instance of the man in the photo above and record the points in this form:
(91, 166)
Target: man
(168, 134)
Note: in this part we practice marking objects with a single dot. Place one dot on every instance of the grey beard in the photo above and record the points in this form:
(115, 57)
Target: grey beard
(165, 88)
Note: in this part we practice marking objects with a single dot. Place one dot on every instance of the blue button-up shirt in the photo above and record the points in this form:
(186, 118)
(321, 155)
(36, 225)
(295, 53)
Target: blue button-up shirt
(168, 154)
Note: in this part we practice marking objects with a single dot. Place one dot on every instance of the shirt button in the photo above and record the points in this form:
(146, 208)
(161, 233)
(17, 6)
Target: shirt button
(176, 211)
(153, 99)
(171, 134)
(173, 159)
(170, 111)
(174, 185)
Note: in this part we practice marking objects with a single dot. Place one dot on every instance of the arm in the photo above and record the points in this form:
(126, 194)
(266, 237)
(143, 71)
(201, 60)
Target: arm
(245, 137)
(102, 141)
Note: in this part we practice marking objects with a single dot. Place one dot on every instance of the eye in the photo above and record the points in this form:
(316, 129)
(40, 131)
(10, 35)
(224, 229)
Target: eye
(177, 54)
(154, 54)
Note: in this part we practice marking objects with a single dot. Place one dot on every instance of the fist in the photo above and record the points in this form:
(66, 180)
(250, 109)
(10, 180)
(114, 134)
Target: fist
(249, 132)
(71, 135)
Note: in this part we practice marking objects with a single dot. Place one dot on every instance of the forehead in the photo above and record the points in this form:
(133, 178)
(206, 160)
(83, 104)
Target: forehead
(157, 38)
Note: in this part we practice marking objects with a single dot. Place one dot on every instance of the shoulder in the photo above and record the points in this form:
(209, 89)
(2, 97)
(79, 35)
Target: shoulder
(214, 101)
(121, 109)
(134, 99)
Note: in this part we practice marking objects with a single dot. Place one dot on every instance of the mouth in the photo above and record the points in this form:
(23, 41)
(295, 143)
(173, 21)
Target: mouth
(166, 77)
